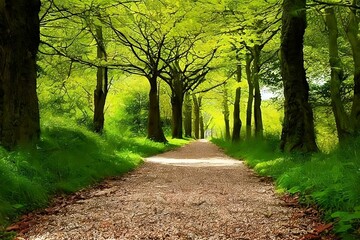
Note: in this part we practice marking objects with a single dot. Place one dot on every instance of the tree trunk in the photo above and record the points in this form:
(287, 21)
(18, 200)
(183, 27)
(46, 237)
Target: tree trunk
(257, 97)
(177, 99)
(298, 127)
(176, 106)
(352, 32)
(236, 115)
(19, 41)
(196, 124)
(249, 60)
(155, 132)
(226, 113)
(337, 75)
(101, 90)
(202, 126)
(187, 115)
(201, 119)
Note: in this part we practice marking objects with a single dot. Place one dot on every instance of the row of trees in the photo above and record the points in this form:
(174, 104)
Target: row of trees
(148, 41)
(179, 43)
(298, 128)
(298, 124)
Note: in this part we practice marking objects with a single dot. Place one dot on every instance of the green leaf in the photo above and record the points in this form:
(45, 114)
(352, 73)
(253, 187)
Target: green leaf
(18, 206)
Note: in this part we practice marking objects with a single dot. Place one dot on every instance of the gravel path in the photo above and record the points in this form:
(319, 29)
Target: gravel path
(195, 192)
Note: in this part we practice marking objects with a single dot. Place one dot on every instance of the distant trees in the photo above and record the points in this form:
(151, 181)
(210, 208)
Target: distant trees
(197, 102)
(249, 37)
(184, 74)
(19, 41)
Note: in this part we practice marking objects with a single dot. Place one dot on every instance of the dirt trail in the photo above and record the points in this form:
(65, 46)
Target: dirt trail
(195, 192)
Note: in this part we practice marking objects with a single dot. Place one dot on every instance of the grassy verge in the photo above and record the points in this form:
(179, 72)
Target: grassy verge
(331, 181)
(67, 158)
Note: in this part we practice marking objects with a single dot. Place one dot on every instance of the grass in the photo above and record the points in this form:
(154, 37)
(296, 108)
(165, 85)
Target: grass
(67, 158)
(328, 180)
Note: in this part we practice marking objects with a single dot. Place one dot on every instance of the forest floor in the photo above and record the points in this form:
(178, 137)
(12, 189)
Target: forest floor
(194, 192)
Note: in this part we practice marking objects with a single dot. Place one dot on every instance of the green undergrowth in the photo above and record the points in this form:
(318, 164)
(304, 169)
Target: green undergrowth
(328, 180)
(68, 158)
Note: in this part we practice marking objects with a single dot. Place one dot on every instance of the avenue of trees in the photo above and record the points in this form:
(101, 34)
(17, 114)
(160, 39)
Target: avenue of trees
(229, 48)
(90, 87)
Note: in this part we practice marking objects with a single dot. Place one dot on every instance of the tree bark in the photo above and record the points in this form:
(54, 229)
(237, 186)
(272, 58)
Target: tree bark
(155, 131)
(259, 129)
(187, 115)
(352, 32)
(249, 60)
(196, 124)
(101, 90)
(257, 96)
(177, 100)
(202, 126)
(226, 113)
(19, 41)
(201, 119)
(236, 114)
(337, 74)
(176, 106)
(298, 128)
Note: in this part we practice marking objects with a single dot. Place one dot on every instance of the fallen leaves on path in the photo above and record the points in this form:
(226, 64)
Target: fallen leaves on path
(184, 199)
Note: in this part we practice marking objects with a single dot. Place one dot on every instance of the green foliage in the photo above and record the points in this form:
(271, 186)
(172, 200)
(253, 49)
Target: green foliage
(347, 221)
(329, 180)
(136, 112)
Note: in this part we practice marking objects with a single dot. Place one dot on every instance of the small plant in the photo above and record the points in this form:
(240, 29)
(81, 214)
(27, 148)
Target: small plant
(348, 223)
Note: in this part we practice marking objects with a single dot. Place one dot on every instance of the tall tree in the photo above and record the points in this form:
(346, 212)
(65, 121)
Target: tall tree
(250, 100)
(145, 43)
(202, 125)
(201, 118)
(19, 41)
(196, 121)
(68, 30)
(342, 120)
(236, 114)
(187, 115)
(185, 74)
(102, 85)
(298, 128)
(254, 33)
(258, 122)
(226, 112)
(254, 79)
